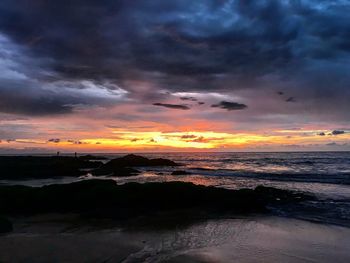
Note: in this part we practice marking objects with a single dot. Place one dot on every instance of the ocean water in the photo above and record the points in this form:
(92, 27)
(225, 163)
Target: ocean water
(311, 231)
(326, 174)
(323, 174)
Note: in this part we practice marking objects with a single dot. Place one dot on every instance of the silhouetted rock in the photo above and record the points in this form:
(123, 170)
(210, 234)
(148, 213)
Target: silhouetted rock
(180, 172)
(29, 167)
(278, 195)
(91, 157)
(35, 167)
(104, 198)
(120, 172)
(132, 160)
(117, 167)
(5, 225)
(162, 162)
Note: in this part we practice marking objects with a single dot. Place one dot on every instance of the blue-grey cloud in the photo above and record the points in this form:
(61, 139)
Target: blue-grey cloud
(54, 140)
(26, 88)
(337, 132)
(300, 47)
(291, 99)
(172, 106)
(227, 105)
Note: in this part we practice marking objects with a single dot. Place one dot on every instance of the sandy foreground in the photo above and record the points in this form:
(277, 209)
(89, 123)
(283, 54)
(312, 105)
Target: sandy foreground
(258, 239)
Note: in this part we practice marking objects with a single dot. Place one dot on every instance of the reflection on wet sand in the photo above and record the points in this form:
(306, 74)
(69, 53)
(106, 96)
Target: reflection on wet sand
(266, 239)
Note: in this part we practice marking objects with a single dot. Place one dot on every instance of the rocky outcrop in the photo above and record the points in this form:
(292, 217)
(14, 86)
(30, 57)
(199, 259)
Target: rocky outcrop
(123, 166)
(104, 198)
(39, 167)
(132, 160)
(117, 172)
(5, 225)
(89, 157)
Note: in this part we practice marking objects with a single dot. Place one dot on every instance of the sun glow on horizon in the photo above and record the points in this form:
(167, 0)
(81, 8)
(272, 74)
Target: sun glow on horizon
(120, 139)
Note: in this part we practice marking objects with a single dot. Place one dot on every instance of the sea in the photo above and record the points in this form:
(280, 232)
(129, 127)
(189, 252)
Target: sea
(326, 175)
(316, 230)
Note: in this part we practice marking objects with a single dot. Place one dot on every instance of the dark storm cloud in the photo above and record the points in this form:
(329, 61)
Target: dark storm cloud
(336, 132)
(189, 45)
(23, 104)
(291, 99)
(177, 37)
(27, 97)
(54, 140)
(188, 136)
(227, 105)
(188, 98)
(27, 88)
(172, 106)
(332, 144)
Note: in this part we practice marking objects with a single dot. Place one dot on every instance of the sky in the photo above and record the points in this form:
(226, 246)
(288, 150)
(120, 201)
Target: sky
(179, 75)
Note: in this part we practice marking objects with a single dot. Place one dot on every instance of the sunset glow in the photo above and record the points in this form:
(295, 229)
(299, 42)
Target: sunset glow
(190, 141)
(192, 76)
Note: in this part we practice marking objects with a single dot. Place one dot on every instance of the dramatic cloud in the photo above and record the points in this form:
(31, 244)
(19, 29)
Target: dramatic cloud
(291, 99)
(332, 144)
(56, 140)
(230, 105)
(27, 89)
(188, 98)
(207, 41)
(172, 106)
(225, 46)
(336, 132)
(106, 62)
(188, 136)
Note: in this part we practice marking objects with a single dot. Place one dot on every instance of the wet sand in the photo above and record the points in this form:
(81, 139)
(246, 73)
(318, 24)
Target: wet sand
(253, 239)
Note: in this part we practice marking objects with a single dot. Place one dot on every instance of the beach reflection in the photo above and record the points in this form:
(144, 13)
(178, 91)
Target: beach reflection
(266, 239)
(253, 239)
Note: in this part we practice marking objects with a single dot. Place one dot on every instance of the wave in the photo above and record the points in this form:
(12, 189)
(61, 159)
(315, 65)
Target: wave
(339, 178)
(329, 211)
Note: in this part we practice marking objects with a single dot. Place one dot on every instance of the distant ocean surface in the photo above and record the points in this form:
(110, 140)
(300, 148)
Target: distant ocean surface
(324, 174)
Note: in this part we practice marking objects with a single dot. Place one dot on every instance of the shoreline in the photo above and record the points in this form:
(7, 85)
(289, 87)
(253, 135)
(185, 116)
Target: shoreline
(169, 213)
(243, 239)
(131, 201)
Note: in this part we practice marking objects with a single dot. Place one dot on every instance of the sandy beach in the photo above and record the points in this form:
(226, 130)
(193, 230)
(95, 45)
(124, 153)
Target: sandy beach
(253, 239)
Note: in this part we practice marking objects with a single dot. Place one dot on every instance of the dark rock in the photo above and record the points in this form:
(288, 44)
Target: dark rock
(132, 160)
(180, 172)
(91, 157)
(29, 167)
(104, 198)
(122, 166)
(120, 172)
(5, 225)
(162, 162)
(275, 195)
(125, 171)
